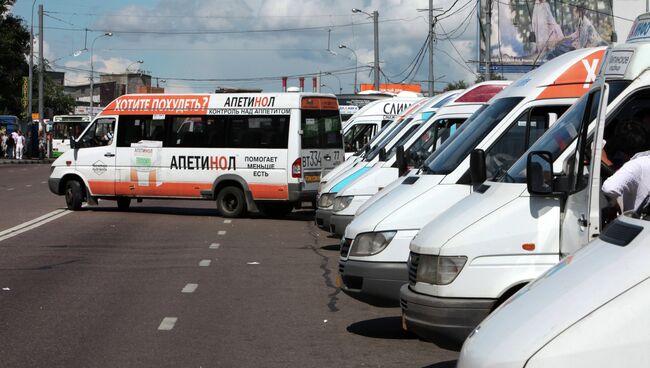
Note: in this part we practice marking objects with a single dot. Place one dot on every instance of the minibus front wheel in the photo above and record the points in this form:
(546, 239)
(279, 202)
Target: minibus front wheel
(74, 195)
(231, 202)
(123, 203)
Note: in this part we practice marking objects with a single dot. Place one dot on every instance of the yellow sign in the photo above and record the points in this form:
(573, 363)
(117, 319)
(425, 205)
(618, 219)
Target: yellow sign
(25, 89)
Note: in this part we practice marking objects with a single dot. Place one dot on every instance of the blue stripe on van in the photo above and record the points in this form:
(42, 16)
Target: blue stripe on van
(344, 183)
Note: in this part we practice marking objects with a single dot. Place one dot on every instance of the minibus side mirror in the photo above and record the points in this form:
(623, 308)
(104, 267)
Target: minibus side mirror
(477, 169)
(400, 161)
(73, 143)
(382, 154)
(539, 172)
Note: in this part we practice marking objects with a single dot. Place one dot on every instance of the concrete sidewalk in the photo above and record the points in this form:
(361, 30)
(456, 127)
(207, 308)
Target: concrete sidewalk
(26, 161)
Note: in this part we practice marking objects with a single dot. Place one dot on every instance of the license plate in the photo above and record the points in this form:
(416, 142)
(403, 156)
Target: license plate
(312, 178)
(338, 281)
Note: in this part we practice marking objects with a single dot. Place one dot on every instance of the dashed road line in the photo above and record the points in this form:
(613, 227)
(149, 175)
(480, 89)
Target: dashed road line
(221, 232)
(167, 323)
(10, 189)
(43, 182)
(227, 221)
(205, 263)
(214, 246)
(189, 288)
(28, 185)
(32, 224)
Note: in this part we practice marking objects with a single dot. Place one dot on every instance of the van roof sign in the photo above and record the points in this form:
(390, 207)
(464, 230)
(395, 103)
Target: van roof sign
(640, 31)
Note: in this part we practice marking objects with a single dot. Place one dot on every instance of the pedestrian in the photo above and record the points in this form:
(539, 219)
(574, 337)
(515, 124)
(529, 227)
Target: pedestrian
(3, 143)
(10, 144)
(20, 145)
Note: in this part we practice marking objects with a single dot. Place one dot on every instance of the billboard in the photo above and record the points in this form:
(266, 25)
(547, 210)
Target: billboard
(393, 88)
(526, 33)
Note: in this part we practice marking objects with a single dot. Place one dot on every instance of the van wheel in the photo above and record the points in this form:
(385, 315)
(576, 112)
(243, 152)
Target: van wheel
(74, 195)
(231, 202)
(276, 209)
(123, 203)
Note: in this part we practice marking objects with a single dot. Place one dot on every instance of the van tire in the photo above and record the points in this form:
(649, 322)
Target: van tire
(280, 209)
(231, 202)
(123, 203)
(74, 195)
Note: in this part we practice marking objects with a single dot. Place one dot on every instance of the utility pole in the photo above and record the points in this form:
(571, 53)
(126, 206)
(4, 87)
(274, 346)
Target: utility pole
(488, 40)
(41, 72)
(431, 25)
(31, 66)
(375, 20)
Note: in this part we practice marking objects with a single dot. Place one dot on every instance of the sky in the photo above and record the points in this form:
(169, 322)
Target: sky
(199, 45)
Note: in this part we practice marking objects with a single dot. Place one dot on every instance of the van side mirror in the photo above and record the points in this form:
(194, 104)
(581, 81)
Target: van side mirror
(539, 172)
(477, 169)
(400, 161)
(73, 142)
(382, 154)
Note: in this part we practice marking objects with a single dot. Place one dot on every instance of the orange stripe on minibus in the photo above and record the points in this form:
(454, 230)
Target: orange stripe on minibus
(269, 191)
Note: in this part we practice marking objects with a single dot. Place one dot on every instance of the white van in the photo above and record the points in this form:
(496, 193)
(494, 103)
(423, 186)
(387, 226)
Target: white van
(450, 113)
(510, 231)
(375, 248)
(406, 124)
(588, 311)
(246, 151)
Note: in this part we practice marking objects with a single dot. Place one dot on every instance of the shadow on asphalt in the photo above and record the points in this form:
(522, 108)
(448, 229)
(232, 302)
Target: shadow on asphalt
(189, 211)
(381, 328)
(333, 247)
(447, 364)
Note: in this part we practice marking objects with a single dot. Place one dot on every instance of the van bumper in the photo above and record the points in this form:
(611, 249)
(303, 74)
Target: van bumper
(53, 183)
(338, 223)
(298, 194)
(322, 218)
(431, 317)
(374, 283)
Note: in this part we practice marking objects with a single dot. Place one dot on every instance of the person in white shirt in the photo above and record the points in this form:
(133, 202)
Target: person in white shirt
(631, 183)
(20, 145)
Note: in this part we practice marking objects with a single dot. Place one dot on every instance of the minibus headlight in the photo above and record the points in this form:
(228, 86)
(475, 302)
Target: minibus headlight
(437, 270)
(325, 200)
(341, 203)
(368, 244)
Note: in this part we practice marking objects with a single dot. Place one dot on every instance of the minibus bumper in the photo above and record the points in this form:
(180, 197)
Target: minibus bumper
(323, 218)
(53, 183)
(338, 223)
(375, 283)
(433, 318)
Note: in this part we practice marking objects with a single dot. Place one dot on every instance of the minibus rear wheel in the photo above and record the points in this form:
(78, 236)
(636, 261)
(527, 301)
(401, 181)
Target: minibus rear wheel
(74, 195)
(231, 202)
(123, 203)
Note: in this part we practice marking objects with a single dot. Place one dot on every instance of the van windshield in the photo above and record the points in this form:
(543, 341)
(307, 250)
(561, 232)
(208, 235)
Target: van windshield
(387, 139)
(411, 132)
(451, 153)
(562, 133)
(321, 129)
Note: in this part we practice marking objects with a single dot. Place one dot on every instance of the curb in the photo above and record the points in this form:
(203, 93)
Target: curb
(25, 161)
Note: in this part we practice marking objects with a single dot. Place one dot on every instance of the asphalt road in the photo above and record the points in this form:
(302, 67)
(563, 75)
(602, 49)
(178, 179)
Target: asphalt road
(171, 284)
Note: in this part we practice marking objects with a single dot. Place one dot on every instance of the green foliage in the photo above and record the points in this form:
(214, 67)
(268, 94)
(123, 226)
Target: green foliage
(481, 77)
(14, 45)
(459, 84)
(55, 100)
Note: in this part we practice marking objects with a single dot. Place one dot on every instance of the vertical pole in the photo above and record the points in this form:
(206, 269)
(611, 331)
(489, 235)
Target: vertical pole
(431, 83)
(92, 86)
(31, 67)
(488, 41)
(41, 72)
(375, 19)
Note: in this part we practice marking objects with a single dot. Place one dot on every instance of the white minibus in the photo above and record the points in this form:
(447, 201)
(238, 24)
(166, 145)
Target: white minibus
(375, 248)
(509, 231)
(64, 127)
(248, 152)
(450, 111)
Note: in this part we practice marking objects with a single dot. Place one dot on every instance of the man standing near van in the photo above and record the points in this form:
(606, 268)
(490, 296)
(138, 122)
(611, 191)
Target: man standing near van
(631, 183)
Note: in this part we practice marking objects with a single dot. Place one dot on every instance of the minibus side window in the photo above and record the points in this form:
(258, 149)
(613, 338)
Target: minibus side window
(358, 136)
(197, 131)
(99, 134)
(134, 129)
(259, 131)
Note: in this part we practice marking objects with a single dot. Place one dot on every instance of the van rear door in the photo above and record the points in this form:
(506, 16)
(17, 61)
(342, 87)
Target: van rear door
(321, 139)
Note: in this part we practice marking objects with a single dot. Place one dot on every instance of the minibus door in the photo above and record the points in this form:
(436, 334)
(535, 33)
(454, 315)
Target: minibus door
(95, 156)
(581, 221)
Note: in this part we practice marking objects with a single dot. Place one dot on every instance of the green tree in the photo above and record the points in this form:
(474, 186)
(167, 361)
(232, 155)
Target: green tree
(459, 84)
(14, 45)
(55, 100)
(481, 78)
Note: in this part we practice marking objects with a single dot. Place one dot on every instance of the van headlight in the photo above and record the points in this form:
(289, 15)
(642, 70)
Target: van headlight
(325, 200)
(368, 244)
(341, 203)
(439, 270)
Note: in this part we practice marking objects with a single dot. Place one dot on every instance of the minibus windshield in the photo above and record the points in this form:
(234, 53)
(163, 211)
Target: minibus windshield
(321, 129)
(412, 130)
(562, 133)
(451, 153)
(387, 139)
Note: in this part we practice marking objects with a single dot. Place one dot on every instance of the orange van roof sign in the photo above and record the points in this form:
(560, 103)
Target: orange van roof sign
(319, 103)
(576, 80)
(158, 104)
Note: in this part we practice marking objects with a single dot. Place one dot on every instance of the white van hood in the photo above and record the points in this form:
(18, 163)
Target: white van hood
(566, 295)
(370, 182)
(435, 234)
(388, 210)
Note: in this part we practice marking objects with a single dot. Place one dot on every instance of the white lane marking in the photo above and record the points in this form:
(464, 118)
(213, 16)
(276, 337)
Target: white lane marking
(205, 263)
(10, 188)
(189, 288)
(28, 185)
(227, 221)
(252, 263)
(215, 246)
(5, 289)
(167, 323)
(221, 232)
(43, 182)
(32, 224)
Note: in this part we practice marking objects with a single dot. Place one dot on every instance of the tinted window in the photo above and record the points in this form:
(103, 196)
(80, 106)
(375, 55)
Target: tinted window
(134, 129)
(258, 131)
(321, 129)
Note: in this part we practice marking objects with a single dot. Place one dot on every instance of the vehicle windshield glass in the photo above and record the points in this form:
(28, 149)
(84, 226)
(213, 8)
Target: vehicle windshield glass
(387, 139)
(402, 141)
(561, 134)
(451, 153)
(61, 129)
(321, 129)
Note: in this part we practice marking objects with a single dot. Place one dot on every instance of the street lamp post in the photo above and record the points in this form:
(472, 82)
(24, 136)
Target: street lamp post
(325, 85)
(337, 78)
(92, 69)
(356, 64)
(31, 66)
(375, 21)
(126, 90)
